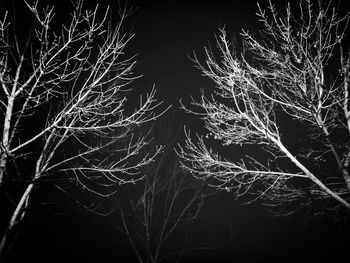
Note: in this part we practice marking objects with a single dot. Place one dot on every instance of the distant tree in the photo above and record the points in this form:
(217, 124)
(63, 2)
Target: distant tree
(64, 104)
(293, 78)
(158, 217)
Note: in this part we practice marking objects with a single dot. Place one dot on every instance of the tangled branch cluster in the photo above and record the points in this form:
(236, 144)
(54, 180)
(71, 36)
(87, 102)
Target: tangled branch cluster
(289, 71)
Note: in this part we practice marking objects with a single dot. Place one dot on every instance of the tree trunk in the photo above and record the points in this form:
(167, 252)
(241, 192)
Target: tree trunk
(15, 219)
(2, 165)
(5, 135)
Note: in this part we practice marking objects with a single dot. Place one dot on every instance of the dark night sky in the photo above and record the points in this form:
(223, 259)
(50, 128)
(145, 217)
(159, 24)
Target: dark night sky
(167, 32)
(170, 31)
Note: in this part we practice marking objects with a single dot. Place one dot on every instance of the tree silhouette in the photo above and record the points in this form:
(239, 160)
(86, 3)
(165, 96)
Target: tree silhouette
(157, 218)
(64, 105)
(294, 78)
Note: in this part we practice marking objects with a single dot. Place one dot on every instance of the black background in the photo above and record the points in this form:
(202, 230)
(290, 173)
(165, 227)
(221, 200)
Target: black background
(167, 33)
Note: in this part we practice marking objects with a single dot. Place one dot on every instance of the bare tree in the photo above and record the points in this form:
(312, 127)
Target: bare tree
(294, 76)
(157, 220)
(64, 103)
